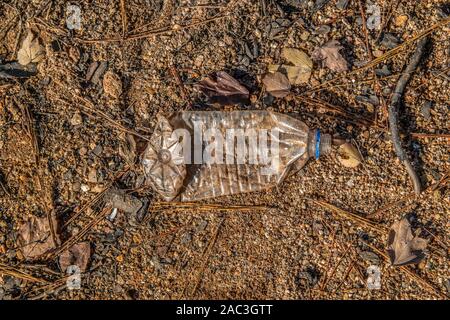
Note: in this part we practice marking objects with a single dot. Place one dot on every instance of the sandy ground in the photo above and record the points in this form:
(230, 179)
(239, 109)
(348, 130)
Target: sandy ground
(297, 248)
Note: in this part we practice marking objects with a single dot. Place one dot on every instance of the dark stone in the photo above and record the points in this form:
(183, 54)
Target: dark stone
(425, 109)
(389, 41)
(383, 72)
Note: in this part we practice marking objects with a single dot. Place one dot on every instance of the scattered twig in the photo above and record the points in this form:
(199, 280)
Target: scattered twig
(181, 206)
(123, 12)
(355, 218)
(95, 200)
(206, 256)
(393, 113)
(14, 272)
(78, 236)
(180, 84)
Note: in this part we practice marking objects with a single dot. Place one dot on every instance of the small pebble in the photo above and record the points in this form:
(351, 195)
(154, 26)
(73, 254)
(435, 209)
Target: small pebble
(76, 119)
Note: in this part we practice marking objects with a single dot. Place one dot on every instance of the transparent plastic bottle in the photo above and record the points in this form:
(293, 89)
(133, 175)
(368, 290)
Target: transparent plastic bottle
(197, 155)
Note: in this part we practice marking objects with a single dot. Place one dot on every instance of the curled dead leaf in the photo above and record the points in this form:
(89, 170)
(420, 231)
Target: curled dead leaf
(348, 155)
(301, 70)
(331, 56)
(35, 237)
(78, 255)
(297, 57)
(31, 51)
(404, 247)
(223, 89)
(277, 84)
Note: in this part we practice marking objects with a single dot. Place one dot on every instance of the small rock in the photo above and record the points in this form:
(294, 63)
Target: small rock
(323, 29)
(201, 226)
(97, 150)
(305, 35)
(76, 187)
(389, 41)
(92, 176)
(199, 61)
(383, 72)
(186, 238)
(401, 20)
(112, 84)
(425, 110)
(76, 119)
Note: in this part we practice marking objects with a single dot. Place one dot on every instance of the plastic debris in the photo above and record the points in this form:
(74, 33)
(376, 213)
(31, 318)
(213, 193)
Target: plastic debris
(197, 155)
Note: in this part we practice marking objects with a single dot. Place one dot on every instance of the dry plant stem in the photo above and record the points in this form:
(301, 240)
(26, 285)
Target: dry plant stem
(123, 13)
(11, 271)
(393, 113)
(78, 236)
(355, 218)
(181, 206)
(207, 255)
(180, 84)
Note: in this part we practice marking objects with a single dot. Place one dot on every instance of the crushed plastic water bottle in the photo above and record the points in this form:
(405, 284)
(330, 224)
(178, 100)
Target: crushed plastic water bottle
(196, 155)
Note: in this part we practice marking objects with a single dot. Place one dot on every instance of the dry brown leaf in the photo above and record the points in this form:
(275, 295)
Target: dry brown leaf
(404, 247)
(349, 156)
(78, 255)
(31, 50)
(297, 75)
(223, 89)
(297, 57)
(35, 237)
(301, 71)
(277, 84)
(330, 54)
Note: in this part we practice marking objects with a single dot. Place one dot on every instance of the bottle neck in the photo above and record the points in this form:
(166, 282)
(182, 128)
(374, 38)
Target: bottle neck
(318, 143)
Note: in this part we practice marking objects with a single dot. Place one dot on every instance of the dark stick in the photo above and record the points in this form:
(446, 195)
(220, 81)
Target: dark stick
(393, 113)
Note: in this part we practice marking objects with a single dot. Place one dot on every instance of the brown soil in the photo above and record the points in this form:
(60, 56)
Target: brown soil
(63, 141)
